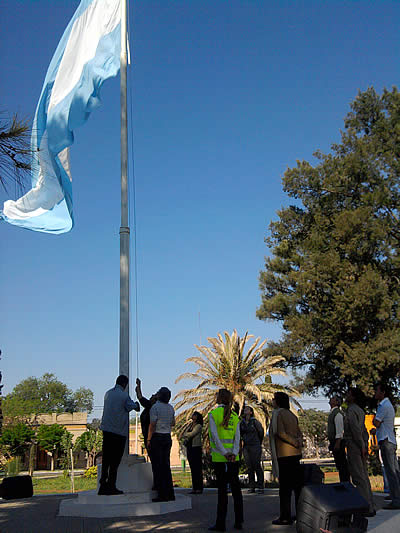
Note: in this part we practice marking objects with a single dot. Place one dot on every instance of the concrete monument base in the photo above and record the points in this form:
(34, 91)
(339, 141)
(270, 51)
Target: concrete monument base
(135, 478)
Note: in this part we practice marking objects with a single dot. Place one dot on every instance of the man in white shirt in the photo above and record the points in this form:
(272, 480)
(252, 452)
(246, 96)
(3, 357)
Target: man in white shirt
(384, 424)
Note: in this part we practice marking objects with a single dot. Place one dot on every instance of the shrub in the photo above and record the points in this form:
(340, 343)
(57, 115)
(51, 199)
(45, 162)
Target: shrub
(91, 473)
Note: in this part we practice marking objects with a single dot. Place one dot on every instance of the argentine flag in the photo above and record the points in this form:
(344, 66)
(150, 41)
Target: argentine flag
(88, 54)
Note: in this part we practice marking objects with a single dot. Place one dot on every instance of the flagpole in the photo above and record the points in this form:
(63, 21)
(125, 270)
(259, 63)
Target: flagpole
(124, 229)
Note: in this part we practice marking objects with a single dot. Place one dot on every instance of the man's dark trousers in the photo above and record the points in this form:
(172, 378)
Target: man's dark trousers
(113, 450)
(341, 462)
(161, 444)
(389, 457)
(228, 473)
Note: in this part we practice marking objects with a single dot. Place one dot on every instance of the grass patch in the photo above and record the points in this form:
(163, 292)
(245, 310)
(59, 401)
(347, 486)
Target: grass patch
(182, 480)
(60, 484)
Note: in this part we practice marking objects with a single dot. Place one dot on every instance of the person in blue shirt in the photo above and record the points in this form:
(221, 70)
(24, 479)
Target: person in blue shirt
(115, 427)
(385, 435)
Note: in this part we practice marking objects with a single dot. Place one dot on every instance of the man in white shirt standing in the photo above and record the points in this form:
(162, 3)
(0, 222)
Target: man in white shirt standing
(335, 436)
(384, 424)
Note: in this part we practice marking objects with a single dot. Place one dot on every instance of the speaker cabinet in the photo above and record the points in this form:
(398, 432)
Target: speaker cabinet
(331, 507)
(16, 487)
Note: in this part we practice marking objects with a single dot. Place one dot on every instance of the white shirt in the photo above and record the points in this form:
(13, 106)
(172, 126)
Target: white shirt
(339, 427)
(385, 414)
(219, 447)
(163, 415)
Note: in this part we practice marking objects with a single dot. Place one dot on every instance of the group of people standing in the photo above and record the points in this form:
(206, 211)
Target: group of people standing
(231, 436)
(157, 420)
(349, 439)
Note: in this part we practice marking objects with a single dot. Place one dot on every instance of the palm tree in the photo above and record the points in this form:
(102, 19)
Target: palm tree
(227, 364)
(15, 152)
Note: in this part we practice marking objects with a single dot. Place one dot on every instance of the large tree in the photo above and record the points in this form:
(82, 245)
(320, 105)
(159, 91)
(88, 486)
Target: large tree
(50, 438)
(47, 394)
(91, 442)
(228, 363)
(333, 276)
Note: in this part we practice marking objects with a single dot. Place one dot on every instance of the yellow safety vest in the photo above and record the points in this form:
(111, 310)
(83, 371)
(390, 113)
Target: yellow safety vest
(226, 435)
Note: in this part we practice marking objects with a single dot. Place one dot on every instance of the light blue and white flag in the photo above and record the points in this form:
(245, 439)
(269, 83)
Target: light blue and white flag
(88, 54)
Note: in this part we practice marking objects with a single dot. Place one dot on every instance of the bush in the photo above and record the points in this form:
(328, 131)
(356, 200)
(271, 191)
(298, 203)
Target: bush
(91, 473)
(374, 464)
(13, 467)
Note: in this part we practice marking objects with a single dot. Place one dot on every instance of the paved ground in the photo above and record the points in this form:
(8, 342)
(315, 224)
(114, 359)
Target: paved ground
(39, 515)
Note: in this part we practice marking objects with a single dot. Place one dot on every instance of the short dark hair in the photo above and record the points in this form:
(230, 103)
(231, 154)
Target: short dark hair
(282, 400)
(122, 380)
(199, 418)
(383, 387)
(248, 407)
(164, 395)
(358, 395)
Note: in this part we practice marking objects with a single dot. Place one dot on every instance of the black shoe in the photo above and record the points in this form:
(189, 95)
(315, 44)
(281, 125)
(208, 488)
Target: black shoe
(115, 492)
(157, 500)
(238, 525)
(388, 498)
(282, 522)
(216, 528)
(104, 491)
(370, 514)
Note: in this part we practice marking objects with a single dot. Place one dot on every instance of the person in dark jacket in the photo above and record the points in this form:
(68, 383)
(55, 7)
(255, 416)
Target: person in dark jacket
(145, 414)
(252, 435)
(192, 439)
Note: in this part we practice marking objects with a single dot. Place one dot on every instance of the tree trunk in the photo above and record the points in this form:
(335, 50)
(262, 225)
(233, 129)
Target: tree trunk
(32, 459)
(72, 471)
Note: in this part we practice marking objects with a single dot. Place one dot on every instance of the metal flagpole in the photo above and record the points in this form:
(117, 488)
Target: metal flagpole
(124, 229)
(124, 318)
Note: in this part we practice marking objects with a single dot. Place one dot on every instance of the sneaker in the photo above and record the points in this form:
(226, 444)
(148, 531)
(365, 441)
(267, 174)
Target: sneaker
(238, 525)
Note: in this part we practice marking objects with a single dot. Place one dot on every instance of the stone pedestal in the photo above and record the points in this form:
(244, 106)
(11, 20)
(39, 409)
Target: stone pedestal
(134, 474)
(135, 478)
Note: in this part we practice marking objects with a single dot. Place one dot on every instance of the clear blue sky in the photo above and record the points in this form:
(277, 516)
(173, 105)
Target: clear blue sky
(226, 95)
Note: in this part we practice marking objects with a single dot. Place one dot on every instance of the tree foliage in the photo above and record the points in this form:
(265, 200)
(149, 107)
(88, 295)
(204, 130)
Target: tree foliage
(228, 363)
(333, 276)
(15, 152)
(17, 438)
(51, 438)
(313, 424)
(91, 442)
(47, 394)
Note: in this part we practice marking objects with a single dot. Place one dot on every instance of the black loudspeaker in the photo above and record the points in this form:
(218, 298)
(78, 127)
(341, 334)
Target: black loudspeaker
(16, 487)
(331, 507)
(312, 474)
